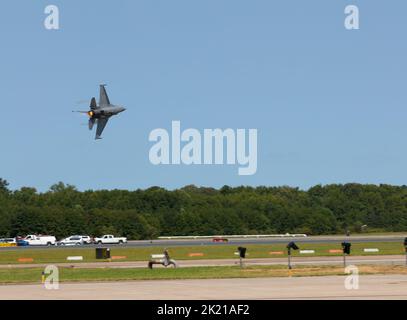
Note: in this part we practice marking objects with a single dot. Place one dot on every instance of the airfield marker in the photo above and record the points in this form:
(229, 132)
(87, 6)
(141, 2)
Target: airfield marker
(276, 252)
(118, 257)
(196, 254)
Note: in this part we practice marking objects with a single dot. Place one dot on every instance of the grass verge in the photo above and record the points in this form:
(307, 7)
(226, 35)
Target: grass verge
(33, 275)
(220, 251)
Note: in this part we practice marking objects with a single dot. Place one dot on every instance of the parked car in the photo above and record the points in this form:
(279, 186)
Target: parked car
(71, 241)
(76, 240)
(110, 239)
(34, 240)
(21, 242)
(87, 239)
(8, 242)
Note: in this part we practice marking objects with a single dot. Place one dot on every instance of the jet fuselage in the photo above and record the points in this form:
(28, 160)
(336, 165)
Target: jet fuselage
(106, 111)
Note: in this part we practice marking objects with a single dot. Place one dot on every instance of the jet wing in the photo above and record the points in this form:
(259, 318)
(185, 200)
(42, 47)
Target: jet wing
(91, 123)
(103, 97)
(101, 126)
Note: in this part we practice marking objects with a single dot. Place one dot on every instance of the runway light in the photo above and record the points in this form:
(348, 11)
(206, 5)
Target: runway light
(346, 250)
(346, 247)
(290, 246)
(242, 255)
(242, 252)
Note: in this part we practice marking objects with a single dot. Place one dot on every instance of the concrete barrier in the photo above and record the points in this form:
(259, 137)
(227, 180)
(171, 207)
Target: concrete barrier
(276, 252)
(307, 251)
(236, 236)
(157, 256)
(371, 250)
(74, 258)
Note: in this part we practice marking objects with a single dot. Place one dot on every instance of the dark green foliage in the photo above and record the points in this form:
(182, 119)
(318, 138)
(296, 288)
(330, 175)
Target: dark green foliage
(146, 214)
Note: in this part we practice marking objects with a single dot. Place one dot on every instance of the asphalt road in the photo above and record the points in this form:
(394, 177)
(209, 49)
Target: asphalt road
(355, 260)
(315, 288)
(237, 242)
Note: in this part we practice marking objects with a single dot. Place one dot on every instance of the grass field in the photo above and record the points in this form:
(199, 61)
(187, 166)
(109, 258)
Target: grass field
(183, 253)
(33, 275)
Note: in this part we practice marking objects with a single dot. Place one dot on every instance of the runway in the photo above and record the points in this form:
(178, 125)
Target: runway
(237, 241)
(332, 287)
(336, 260)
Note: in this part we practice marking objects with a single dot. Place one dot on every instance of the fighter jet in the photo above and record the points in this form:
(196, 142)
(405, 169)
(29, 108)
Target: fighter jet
(100, 113)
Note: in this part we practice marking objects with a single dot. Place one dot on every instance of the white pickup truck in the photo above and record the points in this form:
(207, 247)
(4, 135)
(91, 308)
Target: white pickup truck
(34, 240)
(108, 238)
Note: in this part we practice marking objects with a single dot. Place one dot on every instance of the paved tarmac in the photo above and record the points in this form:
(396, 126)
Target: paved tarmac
(337, 260)
(332, 287)
(237, 242)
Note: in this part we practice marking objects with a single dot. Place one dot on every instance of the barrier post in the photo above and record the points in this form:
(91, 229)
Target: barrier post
(289, 259)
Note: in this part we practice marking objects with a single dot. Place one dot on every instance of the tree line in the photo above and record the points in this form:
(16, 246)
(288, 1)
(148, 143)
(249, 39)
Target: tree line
(146, 214)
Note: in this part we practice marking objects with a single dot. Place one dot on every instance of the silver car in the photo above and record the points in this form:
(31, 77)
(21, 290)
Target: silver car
(72, 241)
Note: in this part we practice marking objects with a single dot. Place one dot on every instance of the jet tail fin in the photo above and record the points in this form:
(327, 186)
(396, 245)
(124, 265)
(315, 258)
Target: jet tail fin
(93, 104)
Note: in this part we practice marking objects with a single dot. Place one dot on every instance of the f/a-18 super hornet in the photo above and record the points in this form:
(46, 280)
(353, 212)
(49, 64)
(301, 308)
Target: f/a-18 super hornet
(100, 113)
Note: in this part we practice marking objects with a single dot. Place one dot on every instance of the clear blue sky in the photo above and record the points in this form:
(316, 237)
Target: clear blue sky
(330, 105)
